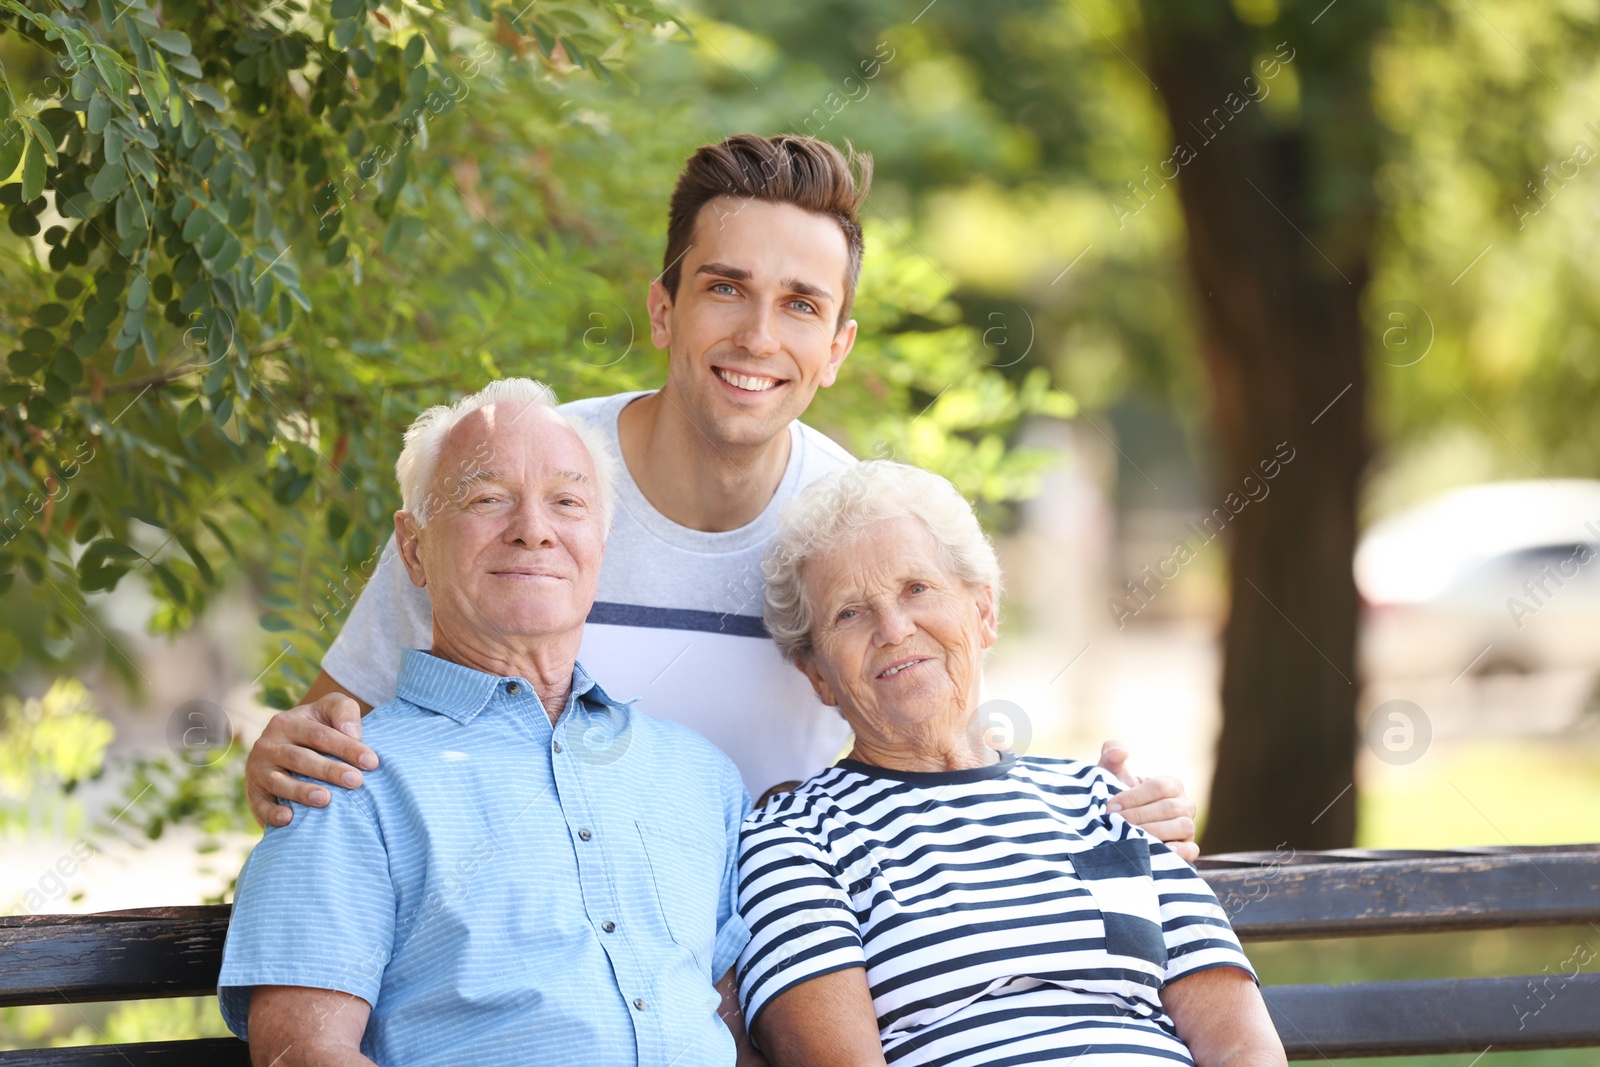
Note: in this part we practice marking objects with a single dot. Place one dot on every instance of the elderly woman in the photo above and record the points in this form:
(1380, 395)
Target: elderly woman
(928, 900)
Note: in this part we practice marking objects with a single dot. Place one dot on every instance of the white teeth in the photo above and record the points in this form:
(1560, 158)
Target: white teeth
(892, 671)
(744, 381)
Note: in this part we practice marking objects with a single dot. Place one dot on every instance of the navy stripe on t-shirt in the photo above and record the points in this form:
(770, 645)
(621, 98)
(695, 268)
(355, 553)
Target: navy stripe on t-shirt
(610, 614)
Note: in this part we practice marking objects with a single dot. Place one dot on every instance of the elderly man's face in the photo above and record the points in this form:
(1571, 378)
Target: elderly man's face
(513, 545)
(897, 638)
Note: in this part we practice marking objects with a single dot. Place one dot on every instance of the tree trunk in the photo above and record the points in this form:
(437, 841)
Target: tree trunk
(1278, 268)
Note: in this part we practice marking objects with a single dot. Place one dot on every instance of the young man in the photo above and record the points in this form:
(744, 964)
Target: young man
(753, 308)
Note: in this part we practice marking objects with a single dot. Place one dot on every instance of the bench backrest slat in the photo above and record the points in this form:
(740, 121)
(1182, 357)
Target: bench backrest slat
(1409, 895)
(137, 955)
(1436, 1016)
(206, 1052)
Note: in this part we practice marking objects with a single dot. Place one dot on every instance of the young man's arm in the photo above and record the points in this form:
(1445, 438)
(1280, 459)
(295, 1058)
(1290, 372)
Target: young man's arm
(292, 1026)
(327, 721)
(1157, 805)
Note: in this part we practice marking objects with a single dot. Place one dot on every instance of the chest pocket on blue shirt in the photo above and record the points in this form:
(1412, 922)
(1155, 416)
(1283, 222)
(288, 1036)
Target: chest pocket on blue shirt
(686, 873)
(1117, 874)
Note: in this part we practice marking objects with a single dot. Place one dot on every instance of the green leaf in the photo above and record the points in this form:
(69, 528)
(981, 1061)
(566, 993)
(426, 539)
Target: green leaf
(174, 41)
(189, 419)
(175, 588)
(96, 579)
(23, 363)
(210, 95)
(347, 9)
(47, 141)
(139, 292)
(109, 182)
(195, 556)
(35, 339)
(213, 242)
(228, 256)
(12, 143)
(32, 171)
(51, 315)
(413, 52)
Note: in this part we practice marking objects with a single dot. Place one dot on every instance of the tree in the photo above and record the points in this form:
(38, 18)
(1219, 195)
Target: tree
(1279, 224)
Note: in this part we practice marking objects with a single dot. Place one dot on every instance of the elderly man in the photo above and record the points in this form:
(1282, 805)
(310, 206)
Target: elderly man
(536, 873)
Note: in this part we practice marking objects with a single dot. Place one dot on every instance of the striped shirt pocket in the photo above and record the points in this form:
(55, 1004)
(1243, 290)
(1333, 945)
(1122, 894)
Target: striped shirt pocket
(1117, 874)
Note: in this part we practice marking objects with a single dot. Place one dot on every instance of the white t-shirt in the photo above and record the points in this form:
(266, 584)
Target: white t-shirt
(676, 623)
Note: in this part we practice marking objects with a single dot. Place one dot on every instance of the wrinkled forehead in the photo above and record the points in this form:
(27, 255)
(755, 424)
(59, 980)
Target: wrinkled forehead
(515, 438)
(873, 558)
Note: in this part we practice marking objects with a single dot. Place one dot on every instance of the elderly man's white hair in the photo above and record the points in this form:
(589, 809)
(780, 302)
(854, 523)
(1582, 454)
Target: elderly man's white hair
(836, 507)
(419, 458)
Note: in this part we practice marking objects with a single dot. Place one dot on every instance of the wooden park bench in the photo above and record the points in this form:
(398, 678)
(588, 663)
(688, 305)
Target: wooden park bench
(173, 952)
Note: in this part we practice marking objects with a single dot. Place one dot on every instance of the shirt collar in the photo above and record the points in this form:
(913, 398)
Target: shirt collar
(438, 685)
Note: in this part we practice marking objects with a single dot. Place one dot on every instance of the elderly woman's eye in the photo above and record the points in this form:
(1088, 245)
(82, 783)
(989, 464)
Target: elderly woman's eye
(846, 614)
(918, 587)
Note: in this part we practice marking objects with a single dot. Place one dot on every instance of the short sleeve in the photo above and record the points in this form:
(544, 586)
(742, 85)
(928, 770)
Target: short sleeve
(314, 907)
(802, 925)
(1193, 924)
(732, 933)
(390, 616)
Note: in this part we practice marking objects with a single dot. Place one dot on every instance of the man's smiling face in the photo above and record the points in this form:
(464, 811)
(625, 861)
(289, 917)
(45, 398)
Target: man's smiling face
(752, 333)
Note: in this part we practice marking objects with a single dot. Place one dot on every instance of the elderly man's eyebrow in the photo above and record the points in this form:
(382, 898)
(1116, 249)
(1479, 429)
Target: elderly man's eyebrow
(574, 476)
(474, 477)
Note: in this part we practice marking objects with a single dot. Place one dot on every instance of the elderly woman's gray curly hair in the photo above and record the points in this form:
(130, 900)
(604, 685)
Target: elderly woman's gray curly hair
(834, 508)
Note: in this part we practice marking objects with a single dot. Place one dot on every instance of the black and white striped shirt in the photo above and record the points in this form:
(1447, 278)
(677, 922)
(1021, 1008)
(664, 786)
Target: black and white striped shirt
(1002, 913)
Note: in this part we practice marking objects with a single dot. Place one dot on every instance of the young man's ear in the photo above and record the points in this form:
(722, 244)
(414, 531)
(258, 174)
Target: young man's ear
(406, 532)
(819, 684)
(659, 302)
(843, 341)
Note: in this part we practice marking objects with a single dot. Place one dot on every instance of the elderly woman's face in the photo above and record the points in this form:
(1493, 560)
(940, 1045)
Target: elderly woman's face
(897, 638)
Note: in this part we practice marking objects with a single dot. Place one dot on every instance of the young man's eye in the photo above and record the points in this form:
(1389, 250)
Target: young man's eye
(803, 305)
(726, 288)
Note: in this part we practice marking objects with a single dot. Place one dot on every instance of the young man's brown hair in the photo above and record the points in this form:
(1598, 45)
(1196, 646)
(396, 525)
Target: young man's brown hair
(803, 171)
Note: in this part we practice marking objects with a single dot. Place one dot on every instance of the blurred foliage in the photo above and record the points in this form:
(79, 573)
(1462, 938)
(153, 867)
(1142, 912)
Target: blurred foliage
(51, 742)
(175, 1019)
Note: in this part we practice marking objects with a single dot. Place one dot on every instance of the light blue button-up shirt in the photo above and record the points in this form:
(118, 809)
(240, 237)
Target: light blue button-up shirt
(502, 892)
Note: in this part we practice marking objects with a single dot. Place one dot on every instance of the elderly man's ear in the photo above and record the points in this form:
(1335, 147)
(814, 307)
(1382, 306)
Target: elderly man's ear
(406, 533)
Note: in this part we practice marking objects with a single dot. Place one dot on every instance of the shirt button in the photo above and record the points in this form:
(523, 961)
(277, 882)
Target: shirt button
(609, 927)
(584, 834)
(638, 1002)
(557, 746)
(513, 688)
